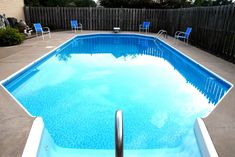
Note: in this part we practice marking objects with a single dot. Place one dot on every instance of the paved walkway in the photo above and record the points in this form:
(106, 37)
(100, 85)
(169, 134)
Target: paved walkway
(15, 124)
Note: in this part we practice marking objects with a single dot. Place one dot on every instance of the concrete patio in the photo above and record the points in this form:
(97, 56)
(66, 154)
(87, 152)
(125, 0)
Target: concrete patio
(15, 124)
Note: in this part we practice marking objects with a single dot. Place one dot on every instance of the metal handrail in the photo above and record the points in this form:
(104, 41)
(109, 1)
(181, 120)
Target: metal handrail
(162, 32)
(118, 134)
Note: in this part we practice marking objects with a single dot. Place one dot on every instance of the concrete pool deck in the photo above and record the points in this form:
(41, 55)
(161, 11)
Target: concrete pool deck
(15, 124)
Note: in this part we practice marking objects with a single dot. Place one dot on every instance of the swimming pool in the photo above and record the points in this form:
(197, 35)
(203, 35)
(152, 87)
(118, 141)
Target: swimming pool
(78, 88)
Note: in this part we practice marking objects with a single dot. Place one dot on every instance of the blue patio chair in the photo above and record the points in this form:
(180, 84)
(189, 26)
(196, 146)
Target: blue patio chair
(145, 26)
(183, 35)
(42, 30)
(75, 25)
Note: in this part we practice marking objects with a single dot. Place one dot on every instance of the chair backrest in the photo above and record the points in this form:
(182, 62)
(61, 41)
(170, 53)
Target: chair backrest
(37, 27)
(74, 23)
(146, 24)
(187, 32)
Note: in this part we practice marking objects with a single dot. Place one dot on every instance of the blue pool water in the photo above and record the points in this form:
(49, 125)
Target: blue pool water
(78, 88)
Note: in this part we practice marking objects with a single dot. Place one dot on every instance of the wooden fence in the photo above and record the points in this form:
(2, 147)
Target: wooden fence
(213, 27)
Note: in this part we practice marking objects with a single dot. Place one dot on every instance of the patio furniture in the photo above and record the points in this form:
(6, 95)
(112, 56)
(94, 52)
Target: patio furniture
(116, 29)
(183, 35)
(43, 30)
(75, 25)
(2, 23)
(28, 31)
(145, 26)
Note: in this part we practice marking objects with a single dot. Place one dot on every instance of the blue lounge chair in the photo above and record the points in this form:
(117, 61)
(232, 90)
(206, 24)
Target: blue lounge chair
(145, 26)
(75, 25)
(42, 30)
(183, 35)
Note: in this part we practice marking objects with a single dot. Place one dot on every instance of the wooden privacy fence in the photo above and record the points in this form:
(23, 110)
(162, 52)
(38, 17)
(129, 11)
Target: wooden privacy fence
(213, 28)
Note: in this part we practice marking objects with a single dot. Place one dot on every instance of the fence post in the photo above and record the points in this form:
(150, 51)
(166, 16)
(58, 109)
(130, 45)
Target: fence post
(26, 14)
(121, 19)
(90, 18)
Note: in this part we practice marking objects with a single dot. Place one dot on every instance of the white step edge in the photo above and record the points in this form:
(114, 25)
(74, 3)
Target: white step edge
(34, 138)
(204, 140)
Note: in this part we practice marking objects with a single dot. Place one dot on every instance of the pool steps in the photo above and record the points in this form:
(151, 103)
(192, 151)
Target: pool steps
(204, 140)
(35, 136)
(34, 139)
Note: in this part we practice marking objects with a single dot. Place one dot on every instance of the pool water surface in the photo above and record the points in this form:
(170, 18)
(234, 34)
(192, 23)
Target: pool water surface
(78, 89)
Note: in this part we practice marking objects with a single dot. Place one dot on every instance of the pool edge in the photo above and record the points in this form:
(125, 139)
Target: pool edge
(25, 68)
(34, 139)
(201, 132)
(203, 138)
(204, 141)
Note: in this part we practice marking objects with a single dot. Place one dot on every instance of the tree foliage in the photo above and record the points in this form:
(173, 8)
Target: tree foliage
(32, 2)
(161, 3)
(222, 2)
(125, 3)
(128, 3)
(145, 3)
(61, 3)
(176, 4)
(212, 3)
(85, 3)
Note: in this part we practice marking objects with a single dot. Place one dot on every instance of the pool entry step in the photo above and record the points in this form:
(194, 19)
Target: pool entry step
(118, 134)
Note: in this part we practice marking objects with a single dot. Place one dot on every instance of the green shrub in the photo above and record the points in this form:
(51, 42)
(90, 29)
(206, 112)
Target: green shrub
(10, 36)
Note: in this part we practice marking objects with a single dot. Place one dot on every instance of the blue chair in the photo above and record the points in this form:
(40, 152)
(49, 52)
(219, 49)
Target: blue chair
(183, 35)
(75, 25)
(41, 30)
(145, 26)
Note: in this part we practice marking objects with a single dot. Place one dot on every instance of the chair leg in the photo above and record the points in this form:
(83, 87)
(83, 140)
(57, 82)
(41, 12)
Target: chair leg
(49, 34)
(42, 36)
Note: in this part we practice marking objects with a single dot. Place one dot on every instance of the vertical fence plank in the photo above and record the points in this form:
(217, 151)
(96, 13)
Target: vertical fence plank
(27, 14)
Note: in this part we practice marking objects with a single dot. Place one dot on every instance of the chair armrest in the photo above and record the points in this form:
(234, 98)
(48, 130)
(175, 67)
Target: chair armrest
(80, 24)
(140, 26)
(178, 32)
(47, 28)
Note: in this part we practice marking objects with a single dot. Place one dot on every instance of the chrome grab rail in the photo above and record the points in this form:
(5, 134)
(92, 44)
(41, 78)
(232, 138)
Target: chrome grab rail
(118, 134)
(162, 32)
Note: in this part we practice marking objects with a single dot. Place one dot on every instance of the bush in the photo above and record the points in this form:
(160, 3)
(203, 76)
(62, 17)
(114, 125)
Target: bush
(10, 36)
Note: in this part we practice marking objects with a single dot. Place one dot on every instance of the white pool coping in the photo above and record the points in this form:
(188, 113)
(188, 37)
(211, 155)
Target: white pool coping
(34, 139)
(33, 142)
(205, 143)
